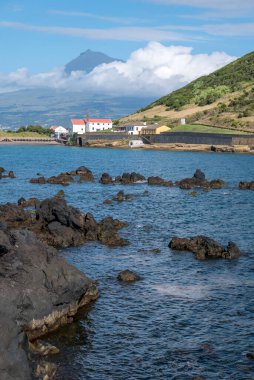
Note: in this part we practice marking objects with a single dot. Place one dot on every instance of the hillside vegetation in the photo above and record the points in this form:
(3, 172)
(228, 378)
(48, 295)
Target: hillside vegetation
(224, 98)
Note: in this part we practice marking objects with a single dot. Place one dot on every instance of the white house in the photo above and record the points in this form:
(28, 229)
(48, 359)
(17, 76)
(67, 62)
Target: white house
(58, 130)
(78, 126)
(96, 125)
(133, 129)
(81, 126)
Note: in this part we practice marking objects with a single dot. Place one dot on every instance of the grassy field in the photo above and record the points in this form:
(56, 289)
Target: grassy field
(10, 135)
(203, 128)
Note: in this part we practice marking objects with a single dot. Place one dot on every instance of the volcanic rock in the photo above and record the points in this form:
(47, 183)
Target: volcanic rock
(39, 293)
(199, 180)
(159, 181)
(205, 248)
(40, 180)
(106, 179)
(246, 185)
(128, 276)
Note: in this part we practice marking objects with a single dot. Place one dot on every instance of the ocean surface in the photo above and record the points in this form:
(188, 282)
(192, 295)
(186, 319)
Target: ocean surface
(185, 318)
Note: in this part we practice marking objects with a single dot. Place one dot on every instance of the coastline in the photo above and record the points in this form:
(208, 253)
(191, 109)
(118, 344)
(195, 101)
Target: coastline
(28, 142)
(181, 147)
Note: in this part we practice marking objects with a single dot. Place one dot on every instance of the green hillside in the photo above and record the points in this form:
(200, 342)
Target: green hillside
(235, 78)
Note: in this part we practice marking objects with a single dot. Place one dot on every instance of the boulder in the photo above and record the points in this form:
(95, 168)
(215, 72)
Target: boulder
(11, 174)
(246, 185)
(85, 175)
(159, 181)
(40, 180)
(46, 294)
(205, 248)
(128, 276)
(217, 184)
(106, 179)
(62, 179)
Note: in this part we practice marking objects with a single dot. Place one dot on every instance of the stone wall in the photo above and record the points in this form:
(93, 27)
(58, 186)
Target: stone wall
(82, 139)
(171, 137)
(201, 138)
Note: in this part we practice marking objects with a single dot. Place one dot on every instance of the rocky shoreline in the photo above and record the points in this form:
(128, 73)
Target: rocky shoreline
(180, 147)
(40, 292)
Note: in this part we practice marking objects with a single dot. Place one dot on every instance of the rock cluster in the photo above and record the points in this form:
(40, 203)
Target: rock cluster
(66, 178)
(205, 248)
(120, 197)
(39, 291)
(124, 179)
(60, 225)
(246, 185)
(199, 180)
(9, 175)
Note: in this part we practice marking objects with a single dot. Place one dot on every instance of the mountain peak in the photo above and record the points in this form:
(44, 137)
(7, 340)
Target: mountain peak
(88, 60)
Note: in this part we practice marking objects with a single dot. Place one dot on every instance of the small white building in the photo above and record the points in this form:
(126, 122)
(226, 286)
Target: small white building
(78, 126)
(97, 125)
(133, 129)
(59, 131)
(81, 126)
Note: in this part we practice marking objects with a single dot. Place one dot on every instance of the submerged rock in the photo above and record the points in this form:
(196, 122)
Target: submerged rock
(205, 248)
(121, 196)
(128, 276)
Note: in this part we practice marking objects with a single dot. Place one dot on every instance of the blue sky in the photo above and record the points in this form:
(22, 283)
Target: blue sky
(41, 35)
(165, 43)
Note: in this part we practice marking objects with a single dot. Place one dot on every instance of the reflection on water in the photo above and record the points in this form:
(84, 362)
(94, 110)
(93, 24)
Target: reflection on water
(186, 318)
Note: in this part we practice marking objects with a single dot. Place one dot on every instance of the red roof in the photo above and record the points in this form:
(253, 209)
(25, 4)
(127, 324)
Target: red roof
(53, 127)
(78, 121)
(98, 120)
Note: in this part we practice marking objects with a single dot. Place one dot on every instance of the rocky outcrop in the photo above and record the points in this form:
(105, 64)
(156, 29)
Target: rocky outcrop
(9, 175)
(39, 293)
(42, 180)
(81, 174)
(199, 180)
(124, 179)
(85, 174)
(246, 185)
(129, 178)
(158, 181)
(106, 179)
(205, 248)
(60, 225)
(128, 276)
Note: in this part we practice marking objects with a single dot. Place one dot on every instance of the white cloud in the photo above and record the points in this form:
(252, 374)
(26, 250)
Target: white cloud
(118, 20)
(133, 33)
(152, 71)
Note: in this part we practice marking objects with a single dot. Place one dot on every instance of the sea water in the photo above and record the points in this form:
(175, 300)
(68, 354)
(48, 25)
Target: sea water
(185, 318)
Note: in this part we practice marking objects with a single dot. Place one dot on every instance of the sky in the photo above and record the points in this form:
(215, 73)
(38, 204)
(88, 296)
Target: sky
(165, 43)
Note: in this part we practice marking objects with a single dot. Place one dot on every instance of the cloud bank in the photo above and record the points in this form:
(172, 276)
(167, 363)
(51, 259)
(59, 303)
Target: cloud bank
(151, 71)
